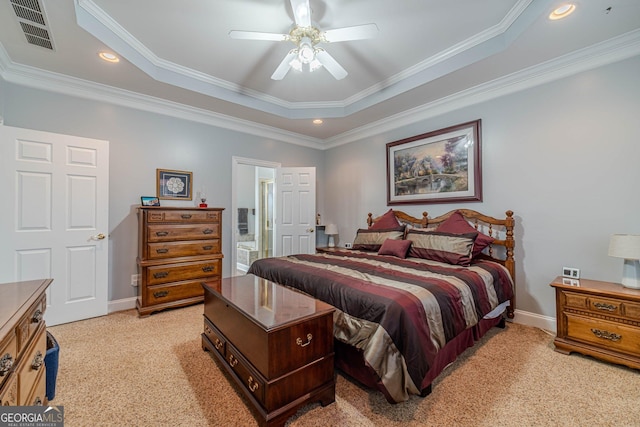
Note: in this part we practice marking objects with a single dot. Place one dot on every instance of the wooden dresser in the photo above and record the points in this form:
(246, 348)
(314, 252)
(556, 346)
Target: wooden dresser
(600, 319)
(276, 343)
(23, 343)
(178, 248)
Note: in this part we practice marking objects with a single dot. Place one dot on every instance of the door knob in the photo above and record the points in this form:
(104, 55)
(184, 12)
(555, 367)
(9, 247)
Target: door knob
(309, 230)
(99, 236)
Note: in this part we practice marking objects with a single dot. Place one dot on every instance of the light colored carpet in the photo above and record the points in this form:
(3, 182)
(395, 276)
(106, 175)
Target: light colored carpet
(121, 370)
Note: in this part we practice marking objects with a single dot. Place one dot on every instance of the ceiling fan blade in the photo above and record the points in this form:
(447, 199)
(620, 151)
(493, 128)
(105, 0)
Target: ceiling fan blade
(301, 12)
(255, 35)
(357, 32)
(331, 64)
(284, 66)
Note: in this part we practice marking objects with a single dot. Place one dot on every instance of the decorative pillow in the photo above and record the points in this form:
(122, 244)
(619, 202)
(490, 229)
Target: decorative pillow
(386, 221)
(444, 247)
(456, 224)
(372, 240)
(397, 248)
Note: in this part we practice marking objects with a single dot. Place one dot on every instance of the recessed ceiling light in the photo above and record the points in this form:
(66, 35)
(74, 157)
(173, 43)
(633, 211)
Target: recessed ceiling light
(317, 122)
(562, 11)
(109, 57)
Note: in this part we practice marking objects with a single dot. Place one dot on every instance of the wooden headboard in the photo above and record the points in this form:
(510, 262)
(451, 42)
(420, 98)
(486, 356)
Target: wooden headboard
(502, 248)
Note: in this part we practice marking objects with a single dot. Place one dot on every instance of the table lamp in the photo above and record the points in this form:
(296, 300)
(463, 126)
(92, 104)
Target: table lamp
(627, 246)
(331, 230)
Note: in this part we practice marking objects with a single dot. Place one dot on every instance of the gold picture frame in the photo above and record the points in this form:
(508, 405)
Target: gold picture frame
(174, 184)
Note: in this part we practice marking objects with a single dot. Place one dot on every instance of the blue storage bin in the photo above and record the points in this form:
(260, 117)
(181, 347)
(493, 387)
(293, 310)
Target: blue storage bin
(51, 363)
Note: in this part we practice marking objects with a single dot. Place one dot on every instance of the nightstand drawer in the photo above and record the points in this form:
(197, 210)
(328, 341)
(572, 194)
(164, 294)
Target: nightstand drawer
(610, 335)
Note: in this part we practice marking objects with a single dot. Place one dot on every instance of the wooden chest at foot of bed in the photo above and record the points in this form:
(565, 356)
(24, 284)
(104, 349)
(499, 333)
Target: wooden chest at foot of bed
(276, 343)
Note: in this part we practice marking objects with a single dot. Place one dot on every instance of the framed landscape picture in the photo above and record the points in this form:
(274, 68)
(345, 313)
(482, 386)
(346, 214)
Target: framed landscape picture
(174, 184)
(442, 166)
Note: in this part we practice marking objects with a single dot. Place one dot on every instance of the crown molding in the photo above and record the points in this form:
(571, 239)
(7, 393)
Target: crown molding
(613, 50)
(610, 51)
(101, 25)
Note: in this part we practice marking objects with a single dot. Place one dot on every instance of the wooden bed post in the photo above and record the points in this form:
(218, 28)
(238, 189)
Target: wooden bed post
(510, 262)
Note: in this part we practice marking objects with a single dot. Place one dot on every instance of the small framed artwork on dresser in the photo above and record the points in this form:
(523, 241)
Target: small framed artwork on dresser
(149, 201)
(174, 184)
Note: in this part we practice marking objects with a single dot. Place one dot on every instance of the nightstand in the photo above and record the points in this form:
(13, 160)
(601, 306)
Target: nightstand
(599, 319)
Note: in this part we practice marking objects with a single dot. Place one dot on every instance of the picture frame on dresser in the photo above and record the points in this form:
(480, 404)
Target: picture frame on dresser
(174, 184)
(149, 201)
(443, 166)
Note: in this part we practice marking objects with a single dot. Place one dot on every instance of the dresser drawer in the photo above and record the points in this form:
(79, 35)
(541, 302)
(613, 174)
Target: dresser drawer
(31, 365)
(30, 324)
(602, 333)
(39, 392)
(250, 379)
(166, 233)
(184, 216)
(9, 392)
(174, 291)
(182, 249)
(215, 337)
(183, 271)
(8, 355)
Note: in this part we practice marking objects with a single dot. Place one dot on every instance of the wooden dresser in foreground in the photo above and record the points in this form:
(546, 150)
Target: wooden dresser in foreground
(178, 248)
(600, 319)
(277, 344)
(23, 343)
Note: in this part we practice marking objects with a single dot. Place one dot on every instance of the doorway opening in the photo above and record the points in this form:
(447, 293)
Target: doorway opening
(252, 212)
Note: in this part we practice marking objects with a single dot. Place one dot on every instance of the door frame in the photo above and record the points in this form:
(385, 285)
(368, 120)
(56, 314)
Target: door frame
(235, 162)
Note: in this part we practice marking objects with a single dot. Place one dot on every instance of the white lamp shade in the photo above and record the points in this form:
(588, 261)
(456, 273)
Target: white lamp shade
(625, 246)
(331, 229)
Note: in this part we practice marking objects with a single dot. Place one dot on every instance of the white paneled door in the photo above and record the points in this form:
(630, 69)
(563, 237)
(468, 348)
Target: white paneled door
(295, 211)
(54, 222)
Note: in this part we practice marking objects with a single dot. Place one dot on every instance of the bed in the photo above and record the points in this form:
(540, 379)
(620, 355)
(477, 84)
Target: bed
(410, 295)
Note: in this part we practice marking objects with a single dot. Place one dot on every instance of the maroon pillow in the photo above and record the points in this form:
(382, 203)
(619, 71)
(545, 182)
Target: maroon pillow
(372, 240)
(397, 248)
(456, 224)
(386, 221)
(444, 247)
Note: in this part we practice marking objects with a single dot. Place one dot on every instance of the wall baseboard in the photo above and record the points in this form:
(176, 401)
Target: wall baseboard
(122, 304)
(522, 317)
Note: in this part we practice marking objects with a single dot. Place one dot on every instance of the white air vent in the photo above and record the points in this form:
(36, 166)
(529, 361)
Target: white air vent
(33, 23)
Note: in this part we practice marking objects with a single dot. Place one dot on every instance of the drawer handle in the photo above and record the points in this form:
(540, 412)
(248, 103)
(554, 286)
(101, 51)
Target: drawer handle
(160, 294)
(38, 401)
(186, 216)
(207, 248)
(299, 341)
(5, 364)
(208, 269)
(232, 361)
(162, 251)
(37, 316)
(606, 335)
(38, 360)
(605, 307)
(207, 231)
(160, 275)
(218, 344)
(162, 233)
(253, 384)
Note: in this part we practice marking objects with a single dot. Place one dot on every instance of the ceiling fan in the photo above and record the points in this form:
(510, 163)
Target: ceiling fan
(307, 38)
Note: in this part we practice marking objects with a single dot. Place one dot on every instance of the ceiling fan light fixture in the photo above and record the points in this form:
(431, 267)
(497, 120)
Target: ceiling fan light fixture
(315, 64)
(306, 52)
(296, 64)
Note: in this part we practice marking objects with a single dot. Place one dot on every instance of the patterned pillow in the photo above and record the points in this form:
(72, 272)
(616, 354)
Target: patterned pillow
(397, 248)
(372, 240)
(456, 224)
(444, 247)
(386, 221)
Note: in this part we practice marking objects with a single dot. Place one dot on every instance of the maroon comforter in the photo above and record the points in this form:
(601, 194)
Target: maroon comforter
(398, 312)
